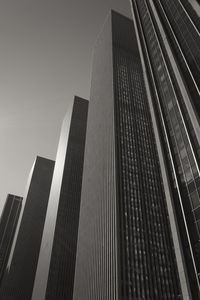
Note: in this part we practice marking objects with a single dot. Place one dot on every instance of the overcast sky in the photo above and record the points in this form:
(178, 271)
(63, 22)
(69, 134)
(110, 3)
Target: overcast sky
(45, 59)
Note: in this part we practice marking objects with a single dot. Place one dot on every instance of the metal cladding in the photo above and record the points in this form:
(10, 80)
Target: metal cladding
(19, 280)
(170, 35)
(96, 262)
(125, 247)
(8, 224)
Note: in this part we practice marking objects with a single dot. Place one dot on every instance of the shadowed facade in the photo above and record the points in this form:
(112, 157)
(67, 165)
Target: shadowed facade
(8, 224)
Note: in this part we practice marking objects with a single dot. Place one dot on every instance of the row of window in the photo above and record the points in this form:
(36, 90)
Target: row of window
(147, 261)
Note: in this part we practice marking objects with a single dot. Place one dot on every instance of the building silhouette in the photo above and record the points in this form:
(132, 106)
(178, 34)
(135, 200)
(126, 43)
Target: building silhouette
(169, 33)
(56, 267)
(21, 269)
(8, 224)
(128, 241)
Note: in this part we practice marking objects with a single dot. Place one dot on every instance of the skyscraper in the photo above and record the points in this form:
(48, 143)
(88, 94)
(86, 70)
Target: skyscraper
(8, 224)
(128, 242)
(168, 32)
(19, 280)
(56, 267)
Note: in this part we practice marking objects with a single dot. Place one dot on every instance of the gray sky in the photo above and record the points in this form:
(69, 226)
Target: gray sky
(45, 59)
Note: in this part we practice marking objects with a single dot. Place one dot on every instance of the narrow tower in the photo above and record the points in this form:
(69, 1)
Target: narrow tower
(56, 267)
(19, 280)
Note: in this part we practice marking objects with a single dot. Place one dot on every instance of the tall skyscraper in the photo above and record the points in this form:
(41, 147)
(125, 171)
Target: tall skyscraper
(19, 280)
(128, 242)
(56, 267)
(169, 33)
(8, 224)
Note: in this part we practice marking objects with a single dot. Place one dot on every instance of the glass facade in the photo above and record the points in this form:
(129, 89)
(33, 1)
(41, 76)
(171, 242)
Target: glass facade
(148, 267)
(184, 145)
(183, 30)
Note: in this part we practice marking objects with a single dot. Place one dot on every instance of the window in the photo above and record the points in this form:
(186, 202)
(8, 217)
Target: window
(197, 213)
(195, 199)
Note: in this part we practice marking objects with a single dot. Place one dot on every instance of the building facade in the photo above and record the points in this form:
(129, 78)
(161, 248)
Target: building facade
(8, 224)
(21, 268)
(182, 27)
(128, 241)
(56, 267)
(169, 33)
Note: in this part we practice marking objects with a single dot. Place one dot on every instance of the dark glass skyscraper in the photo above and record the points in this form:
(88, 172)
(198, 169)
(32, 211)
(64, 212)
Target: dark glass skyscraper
(8, 224)
(128, 242)
(56, 267)
(19, 280)
(169, 32)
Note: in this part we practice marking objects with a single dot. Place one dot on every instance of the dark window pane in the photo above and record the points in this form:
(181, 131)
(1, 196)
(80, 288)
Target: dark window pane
(195, 199)
(197, 213)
